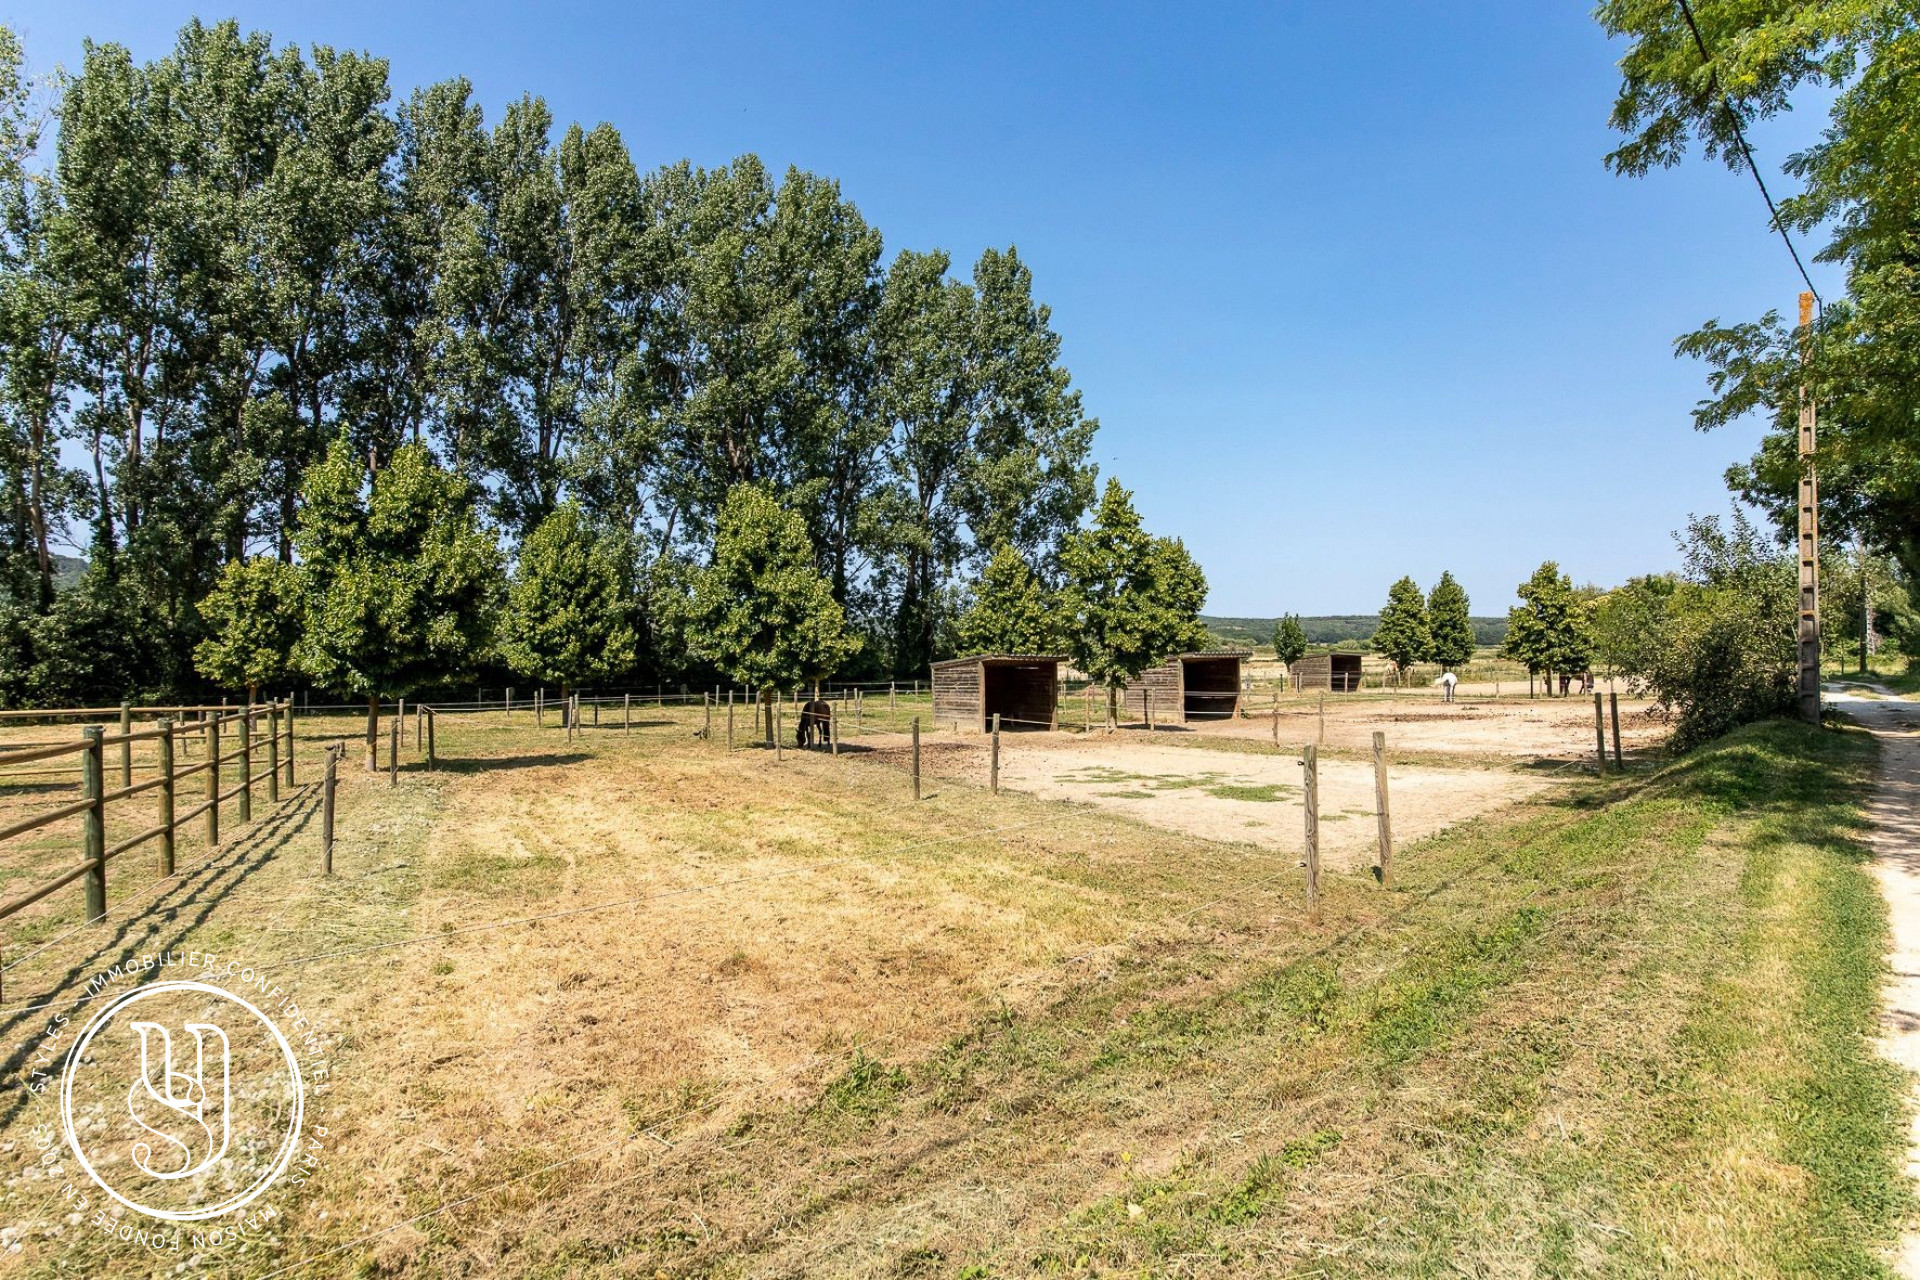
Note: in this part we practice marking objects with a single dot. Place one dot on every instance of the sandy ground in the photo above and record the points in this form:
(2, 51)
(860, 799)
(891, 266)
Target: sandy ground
(1895, 812)
(1516, 728)
(1231, 795)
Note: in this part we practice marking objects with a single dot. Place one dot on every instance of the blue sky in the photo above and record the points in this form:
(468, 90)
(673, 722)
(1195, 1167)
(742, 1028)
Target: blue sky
(1350, 292)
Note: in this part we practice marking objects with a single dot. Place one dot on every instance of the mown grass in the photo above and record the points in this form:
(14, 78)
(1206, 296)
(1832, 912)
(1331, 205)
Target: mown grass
(1624, 1033)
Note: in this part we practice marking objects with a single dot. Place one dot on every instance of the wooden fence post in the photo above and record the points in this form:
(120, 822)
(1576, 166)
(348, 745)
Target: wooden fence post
(1613, 704)
(539, 708)
(289, 741)
(393, 754)
(165, 745)
(916, 757)
(833, 729)
(1380, 807)
(706, 709)
(400, 715)
(432, 756)
(326, 811)
(246, 765)
(729, 719)
(779, 728)
(1276, 717)
(1311, 791)
(993, 766)
(1599, 735)
(95, 829)
(1322, 739)
(126, 748)
(596, 711)
(626, 713)
(859, 709)
(273, 753)
(213, 781)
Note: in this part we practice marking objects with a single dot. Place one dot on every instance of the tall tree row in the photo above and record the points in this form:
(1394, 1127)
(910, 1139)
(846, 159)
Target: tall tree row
(239, 255)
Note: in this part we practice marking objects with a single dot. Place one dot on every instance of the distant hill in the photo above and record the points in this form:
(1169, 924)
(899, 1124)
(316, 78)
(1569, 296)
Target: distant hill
(1330, 629)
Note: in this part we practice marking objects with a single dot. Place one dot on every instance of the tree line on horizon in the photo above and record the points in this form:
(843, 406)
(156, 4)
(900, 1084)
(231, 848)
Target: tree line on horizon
(244, 274)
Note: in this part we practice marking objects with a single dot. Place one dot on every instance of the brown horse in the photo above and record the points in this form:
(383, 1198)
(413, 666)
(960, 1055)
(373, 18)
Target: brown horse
(816, 723)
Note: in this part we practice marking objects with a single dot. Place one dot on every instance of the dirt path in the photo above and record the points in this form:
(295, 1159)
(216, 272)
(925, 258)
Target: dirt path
(1895, 811)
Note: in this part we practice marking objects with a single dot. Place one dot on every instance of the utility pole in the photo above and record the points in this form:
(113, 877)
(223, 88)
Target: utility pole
(1809, 534)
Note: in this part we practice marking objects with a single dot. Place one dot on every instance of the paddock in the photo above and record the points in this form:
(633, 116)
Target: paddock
(1022, 689)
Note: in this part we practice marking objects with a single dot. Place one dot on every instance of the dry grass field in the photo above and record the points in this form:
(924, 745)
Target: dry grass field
(635, 1005)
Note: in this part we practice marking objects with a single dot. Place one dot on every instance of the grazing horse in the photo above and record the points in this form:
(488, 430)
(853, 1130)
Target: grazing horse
(816, 723)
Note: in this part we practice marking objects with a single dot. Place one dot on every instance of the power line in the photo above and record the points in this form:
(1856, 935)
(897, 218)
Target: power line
(1740, 136)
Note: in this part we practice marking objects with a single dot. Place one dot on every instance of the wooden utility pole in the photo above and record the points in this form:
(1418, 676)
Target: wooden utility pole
(1809, 535)
(1311, 793)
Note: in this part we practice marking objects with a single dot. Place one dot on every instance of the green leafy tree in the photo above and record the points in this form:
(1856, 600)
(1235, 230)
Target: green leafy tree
(1548, 630)
(1450, 622)
(1855, 184)
(569, 616)
(402, 582)
(1404, 636)
(1289, 640)
(1723, 649)
(254, 618)
(1626, 622)
(762, 612)
(1130, 599)
(1012, 611)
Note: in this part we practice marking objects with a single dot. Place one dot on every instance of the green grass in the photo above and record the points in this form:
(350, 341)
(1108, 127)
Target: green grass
(1626, 1032)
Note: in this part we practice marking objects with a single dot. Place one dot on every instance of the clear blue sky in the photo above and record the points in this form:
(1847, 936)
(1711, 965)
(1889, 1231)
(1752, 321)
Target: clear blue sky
(1350, 292)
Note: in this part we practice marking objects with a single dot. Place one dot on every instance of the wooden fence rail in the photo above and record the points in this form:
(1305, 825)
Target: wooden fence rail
(95, 853)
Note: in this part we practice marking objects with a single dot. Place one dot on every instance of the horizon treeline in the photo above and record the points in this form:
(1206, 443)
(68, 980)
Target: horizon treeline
(238, 253)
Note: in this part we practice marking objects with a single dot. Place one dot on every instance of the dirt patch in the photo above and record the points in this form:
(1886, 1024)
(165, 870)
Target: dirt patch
(1230, 795)
(1514, 728)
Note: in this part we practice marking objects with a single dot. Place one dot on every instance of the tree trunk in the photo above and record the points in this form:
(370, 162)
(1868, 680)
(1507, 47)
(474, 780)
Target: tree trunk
(565, 703)
(373, 733)
(1113, 706)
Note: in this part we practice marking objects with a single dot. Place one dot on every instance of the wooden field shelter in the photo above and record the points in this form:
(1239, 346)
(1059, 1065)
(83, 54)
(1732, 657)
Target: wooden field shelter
(1204, 685)
(1022, 689)
(1334, 672)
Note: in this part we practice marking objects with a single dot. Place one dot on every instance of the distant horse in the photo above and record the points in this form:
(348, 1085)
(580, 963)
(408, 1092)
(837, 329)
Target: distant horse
(816, 723)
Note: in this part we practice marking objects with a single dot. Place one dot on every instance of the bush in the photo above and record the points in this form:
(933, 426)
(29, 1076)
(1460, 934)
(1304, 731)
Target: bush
(1724, 648)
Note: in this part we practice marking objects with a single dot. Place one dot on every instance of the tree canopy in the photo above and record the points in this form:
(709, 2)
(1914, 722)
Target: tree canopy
(1012, 611)
(1855, 183)
(255, 617)
(240, 251)
(1289, 639)
(1403, 635)
(1449, 623)
(1131, 599)
(569, 609)
(1549, 630)
(762, 612)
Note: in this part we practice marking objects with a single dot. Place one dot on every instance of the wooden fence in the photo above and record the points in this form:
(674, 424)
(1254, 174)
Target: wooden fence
(262, 731)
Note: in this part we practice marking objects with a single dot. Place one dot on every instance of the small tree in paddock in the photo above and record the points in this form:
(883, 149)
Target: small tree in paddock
(761, 612)
(402, 582)
(254, 616)
(1403, 636)
(1450, 623)
(1548, 630)
(570, 607)
(1012, 610)
(1289, 640)
(1130, 599)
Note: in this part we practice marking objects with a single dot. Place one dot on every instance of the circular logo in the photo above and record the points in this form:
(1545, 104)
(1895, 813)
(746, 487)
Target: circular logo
(182, 1100)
